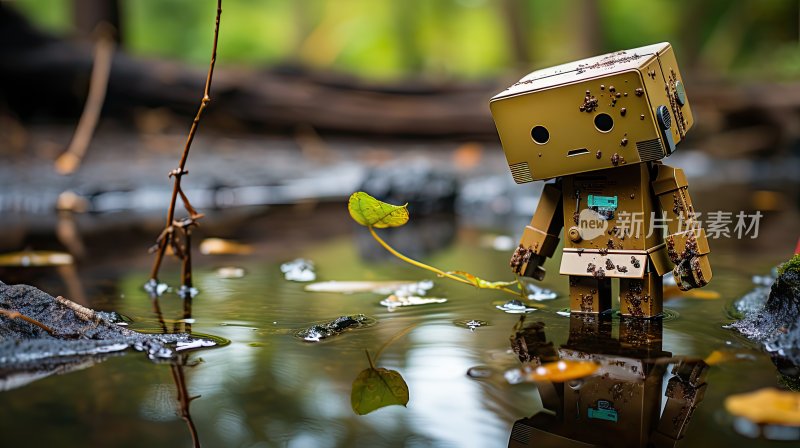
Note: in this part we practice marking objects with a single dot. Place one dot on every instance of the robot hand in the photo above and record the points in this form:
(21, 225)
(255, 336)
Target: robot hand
(693, 272)
(526, 263)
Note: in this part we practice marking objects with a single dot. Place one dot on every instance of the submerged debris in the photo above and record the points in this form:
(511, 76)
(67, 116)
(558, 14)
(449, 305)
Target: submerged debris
(219, 246)
(36, 258)
(479, 372)
(318, 332)
(396, 301)
(379, 287)
(299, 270)
(230, 272)
(514, 306)
(471, 324)
(539, 294)
(154, 288)
(80, 337)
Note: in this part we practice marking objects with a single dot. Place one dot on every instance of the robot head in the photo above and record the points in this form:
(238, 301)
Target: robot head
(597, 113)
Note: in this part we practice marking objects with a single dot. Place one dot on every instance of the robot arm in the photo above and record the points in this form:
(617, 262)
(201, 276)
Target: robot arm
(687, 245)
(540, 238)
(684, 392)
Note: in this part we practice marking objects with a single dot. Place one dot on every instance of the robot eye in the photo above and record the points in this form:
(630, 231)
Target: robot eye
(603, 122)
(540, 134)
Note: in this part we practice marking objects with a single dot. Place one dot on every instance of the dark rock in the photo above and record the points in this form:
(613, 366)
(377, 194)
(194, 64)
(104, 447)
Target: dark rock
(317, 332)
(81, 337)
(777, 324)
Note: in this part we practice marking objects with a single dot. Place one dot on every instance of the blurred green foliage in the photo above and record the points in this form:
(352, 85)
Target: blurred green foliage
(455, 38)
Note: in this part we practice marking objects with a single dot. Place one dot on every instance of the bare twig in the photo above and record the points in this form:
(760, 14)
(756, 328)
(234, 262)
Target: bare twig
(70, 160)
(18, 315)
(181, 170)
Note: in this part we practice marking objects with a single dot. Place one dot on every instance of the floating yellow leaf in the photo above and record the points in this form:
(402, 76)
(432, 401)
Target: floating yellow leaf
(766, 406)
(219, 246)
(36, 258)
(718, 357)
(700, 294)
(370, 212)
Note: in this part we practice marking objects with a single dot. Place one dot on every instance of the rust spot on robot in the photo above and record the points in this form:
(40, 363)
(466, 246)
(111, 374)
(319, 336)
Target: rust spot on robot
(624, 141)
(595, 271)
(599, 154)
(602, 87)
(612, 89)
(587, 302)
(636, 264)
(623, 111)
(589, 103)
(641, 117)
(520, 258)
(639, 91)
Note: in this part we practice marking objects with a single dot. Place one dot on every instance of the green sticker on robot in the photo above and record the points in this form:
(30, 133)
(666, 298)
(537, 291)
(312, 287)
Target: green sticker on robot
(604, 410)
(604, 205)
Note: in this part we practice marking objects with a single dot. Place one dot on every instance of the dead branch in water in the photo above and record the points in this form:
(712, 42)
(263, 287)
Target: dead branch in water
(167, 237)
(18, 315)
(70, 160)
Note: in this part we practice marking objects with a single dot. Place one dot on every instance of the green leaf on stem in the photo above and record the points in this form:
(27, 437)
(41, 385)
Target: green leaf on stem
(370, 212)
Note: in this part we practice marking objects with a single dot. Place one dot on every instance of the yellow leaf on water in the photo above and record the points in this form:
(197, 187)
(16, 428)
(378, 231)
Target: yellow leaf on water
(35, 258)
(768, 406)
(370, 212)
(219, 246)
(719, 357)
(700, 294)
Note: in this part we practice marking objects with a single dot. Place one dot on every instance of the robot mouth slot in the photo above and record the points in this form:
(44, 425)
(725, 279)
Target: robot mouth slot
(577, 152)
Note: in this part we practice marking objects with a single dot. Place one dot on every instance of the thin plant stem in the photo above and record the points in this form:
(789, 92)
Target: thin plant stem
(18, 315)
(181, 170)
(369, 358)
(393, 339)
(436, 271)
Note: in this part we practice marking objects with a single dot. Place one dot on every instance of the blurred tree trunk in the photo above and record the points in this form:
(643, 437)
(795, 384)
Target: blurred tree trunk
(588, 35)
(87, 14)
(516, 18)
(405, 13)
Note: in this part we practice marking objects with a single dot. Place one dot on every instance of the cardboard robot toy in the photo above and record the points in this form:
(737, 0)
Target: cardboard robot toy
(597, 129)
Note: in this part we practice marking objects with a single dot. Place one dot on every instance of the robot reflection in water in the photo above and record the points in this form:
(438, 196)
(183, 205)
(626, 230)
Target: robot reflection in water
(639, 396)
(599, 128)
